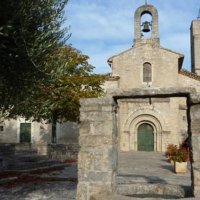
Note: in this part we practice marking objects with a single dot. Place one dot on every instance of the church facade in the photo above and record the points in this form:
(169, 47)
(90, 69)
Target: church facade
(150, 102)
(150, 124)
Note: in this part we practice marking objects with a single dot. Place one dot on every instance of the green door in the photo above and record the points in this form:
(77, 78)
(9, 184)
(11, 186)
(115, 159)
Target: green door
(145, 138)
(25, 132)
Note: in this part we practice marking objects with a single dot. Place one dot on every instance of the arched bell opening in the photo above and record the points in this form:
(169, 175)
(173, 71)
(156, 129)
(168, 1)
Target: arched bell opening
(146, 25)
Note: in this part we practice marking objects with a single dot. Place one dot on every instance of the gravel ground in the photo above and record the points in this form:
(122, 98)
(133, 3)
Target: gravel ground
(40, 191)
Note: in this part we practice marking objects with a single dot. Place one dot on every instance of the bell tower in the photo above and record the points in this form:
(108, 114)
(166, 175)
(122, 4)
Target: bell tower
(146, 25)
(195, 45)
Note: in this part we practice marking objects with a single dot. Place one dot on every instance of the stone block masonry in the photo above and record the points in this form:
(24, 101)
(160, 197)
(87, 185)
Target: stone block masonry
(97, 159)
(195, 131)
(63, 152)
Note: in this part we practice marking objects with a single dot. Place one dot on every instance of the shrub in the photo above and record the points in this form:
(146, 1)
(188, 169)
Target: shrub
(182, 155)
(171, 150)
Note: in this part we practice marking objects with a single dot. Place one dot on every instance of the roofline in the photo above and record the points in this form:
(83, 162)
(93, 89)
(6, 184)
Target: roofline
(189, 74)
(181, 56)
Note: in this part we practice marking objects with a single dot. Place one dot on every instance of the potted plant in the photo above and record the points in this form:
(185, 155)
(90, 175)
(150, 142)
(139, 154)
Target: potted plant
(180, 160)
(171, 151)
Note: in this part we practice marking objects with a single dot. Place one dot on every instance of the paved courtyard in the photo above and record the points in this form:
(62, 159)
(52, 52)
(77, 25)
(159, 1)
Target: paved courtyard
(40, 191)
(134, 168)
(150, 167)
(55, 185)
(149, 174)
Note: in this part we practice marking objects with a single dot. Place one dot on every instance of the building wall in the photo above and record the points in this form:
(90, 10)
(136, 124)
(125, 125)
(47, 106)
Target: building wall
(40, 133)
(8, 133)
(129, 67)
(167, 115)
(67, 132)
(184, 81)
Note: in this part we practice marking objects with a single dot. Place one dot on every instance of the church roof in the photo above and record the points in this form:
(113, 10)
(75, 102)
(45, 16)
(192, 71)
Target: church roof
(189, 74)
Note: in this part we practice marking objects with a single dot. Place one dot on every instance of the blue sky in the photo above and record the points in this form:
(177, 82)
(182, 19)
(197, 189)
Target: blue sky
(103, 28)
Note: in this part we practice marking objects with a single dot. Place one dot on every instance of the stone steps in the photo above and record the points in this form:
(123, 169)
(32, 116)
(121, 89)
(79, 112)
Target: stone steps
(30, 151)
(147, 190)
(26, 161)
(31, 165)
(149, 175)
(179, 179)
(53, 173)
(28, 157)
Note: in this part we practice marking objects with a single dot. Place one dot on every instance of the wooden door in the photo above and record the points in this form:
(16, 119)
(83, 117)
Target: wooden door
(25, 132)
(145, 137)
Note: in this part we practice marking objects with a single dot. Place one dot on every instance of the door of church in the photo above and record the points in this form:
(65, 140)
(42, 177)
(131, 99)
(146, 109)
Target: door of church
(145, 137)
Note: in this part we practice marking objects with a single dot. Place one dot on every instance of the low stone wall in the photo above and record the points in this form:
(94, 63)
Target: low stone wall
(23, 147)
(63, 152)
(7, 149)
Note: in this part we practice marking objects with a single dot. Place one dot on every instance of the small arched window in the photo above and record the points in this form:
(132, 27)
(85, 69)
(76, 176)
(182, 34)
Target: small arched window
(147, 73)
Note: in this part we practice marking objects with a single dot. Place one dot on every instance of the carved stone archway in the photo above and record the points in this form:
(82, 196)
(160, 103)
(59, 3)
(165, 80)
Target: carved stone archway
(154, 122)
(139, 117)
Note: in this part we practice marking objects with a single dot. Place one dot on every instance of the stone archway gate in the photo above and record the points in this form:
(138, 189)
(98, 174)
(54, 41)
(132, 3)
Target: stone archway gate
(97, 159)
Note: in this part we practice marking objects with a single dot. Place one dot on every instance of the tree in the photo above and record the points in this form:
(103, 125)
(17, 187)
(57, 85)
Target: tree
(57, 99)
(29, 33)
(42, 77)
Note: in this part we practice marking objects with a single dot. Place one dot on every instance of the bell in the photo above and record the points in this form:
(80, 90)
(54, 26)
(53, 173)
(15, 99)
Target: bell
(145, 27)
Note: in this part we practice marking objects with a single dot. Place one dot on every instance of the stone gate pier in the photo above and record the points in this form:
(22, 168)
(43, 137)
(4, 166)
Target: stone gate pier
(97, 159)
(195, 139)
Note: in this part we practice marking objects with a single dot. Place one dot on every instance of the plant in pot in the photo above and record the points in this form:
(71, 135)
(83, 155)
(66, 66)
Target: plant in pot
(180, 160)
(171, 151)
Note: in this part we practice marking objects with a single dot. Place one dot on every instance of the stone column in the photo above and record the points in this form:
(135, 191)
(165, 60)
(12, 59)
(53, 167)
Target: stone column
(195, 129)
(98, 150)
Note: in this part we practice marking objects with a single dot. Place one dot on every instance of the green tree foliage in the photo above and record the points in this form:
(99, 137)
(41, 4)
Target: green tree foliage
(58, 97)
(29, 33)
(42, 77)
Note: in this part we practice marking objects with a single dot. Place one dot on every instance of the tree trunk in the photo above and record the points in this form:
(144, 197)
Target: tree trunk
(53, 138)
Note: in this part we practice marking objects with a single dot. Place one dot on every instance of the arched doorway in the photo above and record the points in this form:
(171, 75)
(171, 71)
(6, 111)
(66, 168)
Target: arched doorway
(145, 137)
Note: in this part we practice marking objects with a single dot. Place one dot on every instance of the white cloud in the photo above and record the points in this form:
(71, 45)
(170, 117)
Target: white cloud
(179, 42)
(100, 55)
(90, 22)
(101, 28)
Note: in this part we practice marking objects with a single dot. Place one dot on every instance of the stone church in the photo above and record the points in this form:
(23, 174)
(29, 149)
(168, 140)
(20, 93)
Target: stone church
(144, 123)
(150, 124)
(150, 102)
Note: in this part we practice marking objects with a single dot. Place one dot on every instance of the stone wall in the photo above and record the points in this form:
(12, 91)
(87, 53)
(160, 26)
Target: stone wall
(63, 152)
(185, 81)
(166, 115)
(195, 131)
(97, 159)
(67, 133)
(7, 149)
(8, 133)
